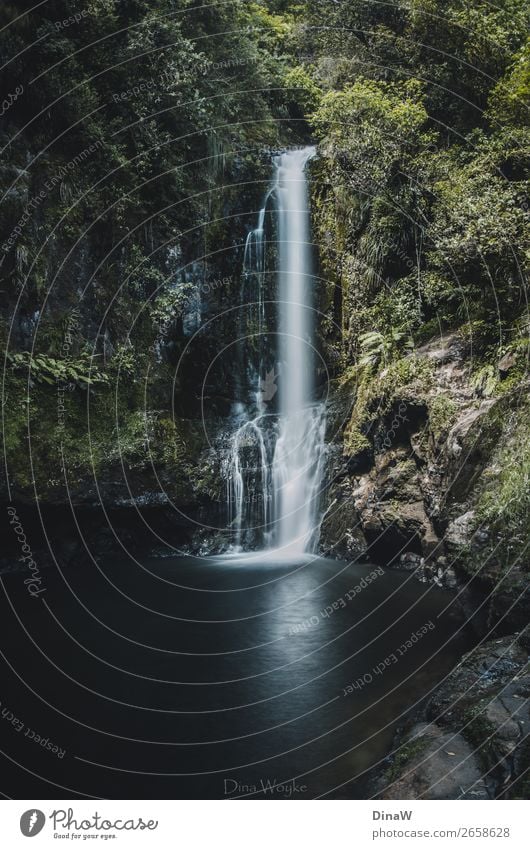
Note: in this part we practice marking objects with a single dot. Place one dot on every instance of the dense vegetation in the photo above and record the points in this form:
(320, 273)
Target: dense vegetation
(133, 141)
(421, 112)
(126, 120)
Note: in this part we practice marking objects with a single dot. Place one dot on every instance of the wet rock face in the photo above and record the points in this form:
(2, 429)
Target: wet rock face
(58, 536)
(409, 484)
(435, 765)
(474, 744)
(487, 697)
(341, 534)
(385, 480)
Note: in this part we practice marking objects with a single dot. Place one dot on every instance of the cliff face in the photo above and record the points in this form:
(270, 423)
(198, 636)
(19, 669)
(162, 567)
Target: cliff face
(431, 475)
(134, 158)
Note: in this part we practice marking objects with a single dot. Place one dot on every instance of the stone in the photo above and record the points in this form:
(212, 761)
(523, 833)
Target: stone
(410, 561)
(441, 765)
(461, 529)
(506, 363)
(473, 740)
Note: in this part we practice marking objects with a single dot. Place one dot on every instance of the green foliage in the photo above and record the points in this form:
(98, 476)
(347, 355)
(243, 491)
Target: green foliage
(114, 162)
(505, 501)
(485, 380)
(376, 348)
(144, 83)
(423, 204)
(442, 413)
(509, 101)
(373, 125)
(377, 390)
(490, 33)
(144, 113)
(476, 215)
(80, 371)
(304, 89)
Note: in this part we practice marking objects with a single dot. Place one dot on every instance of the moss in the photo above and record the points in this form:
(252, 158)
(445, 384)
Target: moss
(355, 442)
(442, 414)
(94, 432)
(405, 754)
(501, 501)
(480, 733)
(405, 378)
(504, 502)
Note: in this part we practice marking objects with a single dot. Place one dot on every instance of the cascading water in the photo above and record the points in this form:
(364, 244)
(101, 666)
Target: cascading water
(276, 460)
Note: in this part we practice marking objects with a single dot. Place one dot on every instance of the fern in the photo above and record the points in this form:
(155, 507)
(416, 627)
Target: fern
(44, 369)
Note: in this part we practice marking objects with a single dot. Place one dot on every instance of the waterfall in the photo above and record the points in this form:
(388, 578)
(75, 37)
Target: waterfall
(276, 460)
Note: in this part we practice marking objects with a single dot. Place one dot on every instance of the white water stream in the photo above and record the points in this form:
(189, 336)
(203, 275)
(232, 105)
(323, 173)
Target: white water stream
(274, 499)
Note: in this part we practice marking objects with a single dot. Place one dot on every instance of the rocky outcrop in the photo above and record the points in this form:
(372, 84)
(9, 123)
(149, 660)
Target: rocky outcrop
(473, 742)
(419, 444)
(432, 764)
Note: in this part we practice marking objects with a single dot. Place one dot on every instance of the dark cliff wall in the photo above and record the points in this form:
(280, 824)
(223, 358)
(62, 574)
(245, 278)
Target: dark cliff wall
(135, 151)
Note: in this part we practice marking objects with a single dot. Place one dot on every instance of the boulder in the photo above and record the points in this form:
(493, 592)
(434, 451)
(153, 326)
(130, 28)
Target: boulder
(506, 363)
(460, 530)
(433, 764)
(392, 528)
(473, 740)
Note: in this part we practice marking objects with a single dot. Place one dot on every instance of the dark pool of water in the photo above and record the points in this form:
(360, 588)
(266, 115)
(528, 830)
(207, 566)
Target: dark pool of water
(207, 678)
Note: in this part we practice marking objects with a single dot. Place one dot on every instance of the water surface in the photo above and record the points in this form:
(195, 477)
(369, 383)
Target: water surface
(215, 678)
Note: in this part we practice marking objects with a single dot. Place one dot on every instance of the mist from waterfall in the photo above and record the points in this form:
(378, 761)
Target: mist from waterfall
(276, 460)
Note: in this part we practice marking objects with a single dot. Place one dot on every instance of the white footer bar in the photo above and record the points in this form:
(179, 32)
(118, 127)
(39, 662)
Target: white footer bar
(266, 824)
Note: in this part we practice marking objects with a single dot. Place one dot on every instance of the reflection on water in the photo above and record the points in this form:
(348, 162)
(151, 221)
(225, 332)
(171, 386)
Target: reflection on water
(218, 678)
